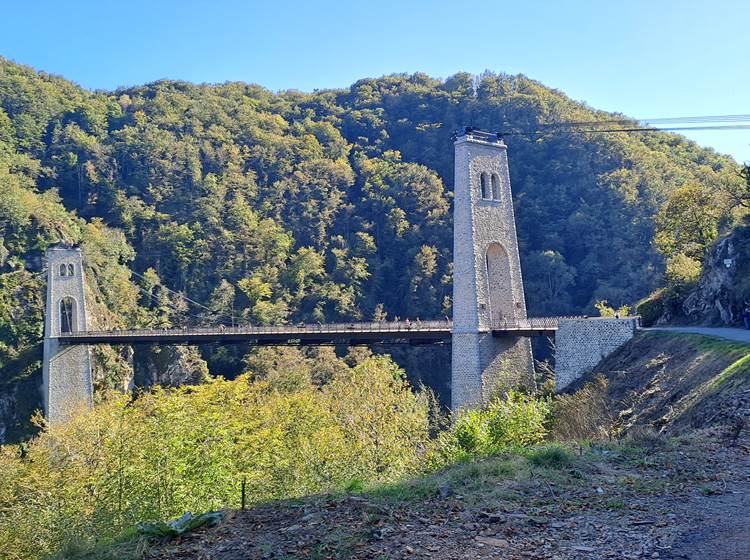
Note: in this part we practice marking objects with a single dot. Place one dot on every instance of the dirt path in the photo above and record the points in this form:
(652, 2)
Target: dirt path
(719, 527)
(689, 500)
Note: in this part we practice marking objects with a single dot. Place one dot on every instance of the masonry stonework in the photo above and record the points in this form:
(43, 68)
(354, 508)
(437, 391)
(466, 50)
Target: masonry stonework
(66, 370)
(487, 283)
(580, 344)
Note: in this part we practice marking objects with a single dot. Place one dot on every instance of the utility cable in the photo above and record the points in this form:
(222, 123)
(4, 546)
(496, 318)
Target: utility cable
(616, 130)
(692, 123)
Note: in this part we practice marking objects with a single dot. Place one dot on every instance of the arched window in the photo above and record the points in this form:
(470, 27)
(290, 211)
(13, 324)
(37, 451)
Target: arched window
(71, 270)
(495, 187)
(67, 315)
(499, 284)
(484, 187)
(63, 270)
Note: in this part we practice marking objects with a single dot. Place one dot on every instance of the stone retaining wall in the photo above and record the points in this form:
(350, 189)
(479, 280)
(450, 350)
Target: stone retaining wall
(580, 344)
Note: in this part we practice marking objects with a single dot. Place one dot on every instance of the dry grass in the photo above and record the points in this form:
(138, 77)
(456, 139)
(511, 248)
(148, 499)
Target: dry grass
(586, 414)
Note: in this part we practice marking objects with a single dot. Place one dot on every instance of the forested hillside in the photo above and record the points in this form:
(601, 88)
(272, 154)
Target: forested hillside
(316, 206)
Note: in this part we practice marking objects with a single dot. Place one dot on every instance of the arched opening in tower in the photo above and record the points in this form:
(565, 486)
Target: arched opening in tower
(67, 315)
(495, 187)
(499, 285)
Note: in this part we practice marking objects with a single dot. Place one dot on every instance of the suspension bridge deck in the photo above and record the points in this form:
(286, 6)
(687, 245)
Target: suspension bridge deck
(412, 332)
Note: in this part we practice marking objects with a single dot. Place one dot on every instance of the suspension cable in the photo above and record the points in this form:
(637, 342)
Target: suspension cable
(184, 297)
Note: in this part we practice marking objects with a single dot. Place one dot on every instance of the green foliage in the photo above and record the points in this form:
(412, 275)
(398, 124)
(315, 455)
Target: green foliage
(689, 221)
(739, 191)
(286, 207)
(188, 449)
(651, 308)
(550, 280)
(551, 456)
(682, 271)
(514, 421)
(129, 545)
(681, 276)
(186, 523)
(605, 310)
(333, 204)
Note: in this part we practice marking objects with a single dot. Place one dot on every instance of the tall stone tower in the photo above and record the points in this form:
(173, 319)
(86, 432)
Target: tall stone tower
(487, 284)
(66, 370)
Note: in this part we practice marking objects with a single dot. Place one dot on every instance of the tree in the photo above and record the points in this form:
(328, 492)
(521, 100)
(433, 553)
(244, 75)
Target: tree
(222, 303)
(739, 191)
(547, 280)
(688, 222)
(330, 205)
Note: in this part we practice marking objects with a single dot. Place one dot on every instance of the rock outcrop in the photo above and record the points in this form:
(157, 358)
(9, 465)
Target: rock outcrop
(169, 366)
(20, 395)
(723, 289)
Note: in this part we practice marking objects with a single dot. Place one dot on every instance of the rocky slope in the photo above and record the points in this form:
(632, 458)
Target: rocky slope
(670, 384)
(723, 289)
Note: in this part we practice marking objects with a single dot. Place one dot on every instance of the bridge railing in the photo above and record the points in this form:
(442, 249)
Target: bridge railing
(306, 328)
(532, 323)
(353, 327)
(549, 323)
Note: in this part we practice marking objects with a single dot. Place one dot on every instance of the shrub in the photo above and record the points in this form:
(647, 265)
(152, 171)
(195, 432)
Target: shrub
(682, 272)
(188, 449)
(585, 414)
(552, 456)
(651, 308)
(515, 421)
(605, 310)
(470, 432)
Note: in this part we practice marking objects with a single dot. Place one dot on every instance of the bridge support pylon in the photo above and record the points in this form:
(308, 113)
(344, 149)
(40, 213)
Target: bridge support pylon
(66, 370)
(487, 283)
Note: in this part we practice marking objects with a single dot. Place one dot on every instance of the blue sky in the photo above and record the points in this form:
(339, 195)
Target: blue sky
(647, 59)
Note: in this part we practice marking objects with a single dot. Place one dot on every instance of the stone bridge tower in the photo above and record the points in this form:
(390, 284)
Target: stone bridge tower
(487, 284)
(66, 370)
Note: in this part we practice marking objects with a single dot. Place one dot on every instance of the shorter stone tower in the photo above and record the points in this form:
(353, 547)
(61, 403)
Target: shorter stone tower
(487, 284)
(66, 370)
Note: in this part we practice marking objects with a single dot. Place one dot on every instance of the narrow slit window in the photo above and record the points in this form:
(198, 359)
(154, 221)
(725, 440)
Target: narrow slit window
(484, 187)
(63, 270)
(71, 270)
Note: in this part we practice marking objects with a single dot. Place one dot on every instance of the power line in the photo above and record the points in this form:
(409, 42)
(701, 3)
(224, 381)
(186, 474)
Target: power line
(624, 125)
(661, 120)
(614, 130)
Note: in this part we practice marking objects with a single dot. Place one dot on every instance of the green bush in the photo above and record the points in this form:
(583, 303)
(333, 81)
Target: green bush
(176, 527)
(651, 308)
(682, 272)
(188, 449)
(552, 456)
(515, 421)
